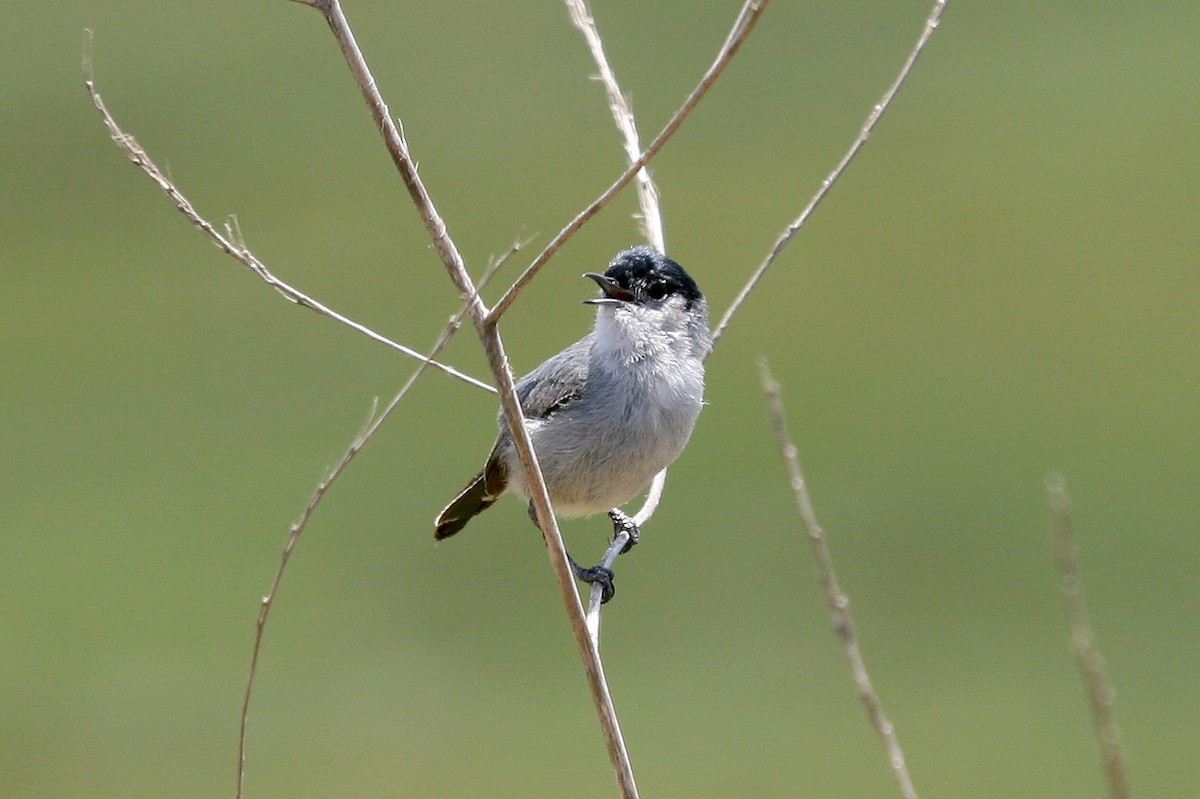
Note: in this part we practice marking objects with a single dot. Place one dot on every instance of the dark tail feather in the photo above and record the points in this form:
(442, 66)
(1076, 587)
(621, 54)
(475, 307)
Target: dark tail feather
(473, 500)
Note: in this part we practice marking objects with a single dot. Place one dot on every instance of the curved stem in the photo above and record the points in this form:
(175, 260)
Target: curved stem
(931, 23)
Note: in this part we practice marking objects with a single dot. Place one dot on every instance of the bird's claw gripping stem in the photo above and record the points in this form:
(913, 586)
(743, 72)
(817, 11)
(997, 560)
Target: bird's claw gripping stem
(624, 523)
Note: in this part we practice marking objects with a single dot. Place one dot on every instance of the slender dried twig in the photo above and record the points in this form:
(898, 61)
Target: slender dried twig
(498, 360)
(839, 603)
(397, 147)
(648, 199)
(374, 422)
(618, 104)
(596, 597)
(619, 542)
(593, 666)
(231, 244)
(931, 23)
(1083, 641)
(742, 26)
(652, 227)
(652, 498)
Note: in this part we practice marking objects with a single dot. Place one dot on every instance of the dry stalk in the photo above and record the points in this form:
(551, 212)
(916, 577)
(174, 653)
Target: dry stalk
(231, 242)
(1083, 640)
(652, 227)
(839, 603)
(931, 24)
(622, 112)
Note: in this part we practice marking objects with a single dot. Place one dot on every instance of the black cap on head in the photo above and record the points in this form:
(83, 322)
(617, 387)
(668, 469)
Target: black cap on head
(650, 276)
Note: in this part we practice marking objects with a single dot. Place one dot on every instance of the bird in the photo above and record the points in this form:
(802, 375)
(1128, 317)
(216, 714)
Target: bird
(612, 410)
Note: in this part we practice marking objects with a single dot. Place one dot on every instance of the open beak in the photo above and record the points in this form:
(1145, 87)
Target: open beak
(613, 293)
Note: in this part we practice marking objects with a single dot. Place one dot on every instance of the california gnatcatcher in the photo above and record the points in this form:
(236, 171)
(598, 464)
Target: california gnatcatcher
(610, 411)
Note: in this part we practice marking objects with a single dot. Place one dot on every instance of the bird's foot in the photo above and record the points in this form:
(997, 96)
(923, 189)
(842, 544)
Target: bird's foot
(624, 523)
(598, 574)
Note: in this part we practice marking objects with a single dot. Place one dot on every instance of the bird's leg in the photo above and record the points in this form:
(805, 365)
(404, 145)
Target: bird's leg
(625, 535)
(624, 523)
(589, 574)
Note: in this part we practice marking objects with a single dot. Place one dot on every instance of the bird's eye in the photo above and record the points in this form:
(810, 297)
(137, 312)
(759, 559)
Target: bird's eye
(657, 290)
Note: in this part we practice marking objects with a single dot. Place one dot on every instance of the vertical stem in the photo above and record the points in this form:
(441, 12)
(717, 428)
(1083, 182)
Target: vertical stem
(588, 649)
(1083, 641)
(839, 603)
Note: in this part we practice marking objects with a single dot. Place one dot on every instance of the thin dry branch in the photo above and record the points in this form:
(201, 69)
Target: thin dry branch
(1083, 641)
(374, 422)
(652, 227)
(485, 325)
(622, 112)
(931, 24)
(397, 147)
(231, 243)
(839, 603)
(742, 26)
(593, 666)
(596, 597)
(619, 542)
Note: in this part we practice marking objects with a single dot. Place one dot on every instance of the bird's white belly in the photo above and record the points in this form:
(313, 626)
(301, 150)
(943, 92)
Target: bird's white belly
(607, 449)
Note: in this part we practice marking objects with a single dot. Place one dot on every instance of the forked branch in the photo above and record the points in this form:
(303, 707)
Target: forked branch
(231, 242)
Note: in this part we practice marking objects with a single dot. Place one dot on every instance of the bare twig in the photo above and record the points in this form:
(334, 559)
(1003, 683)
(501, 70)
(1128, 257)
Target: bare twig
(652, 498)
(652, 227)
(648, 198)
(231, 243)
(618, 104)
(839, 603)
(931, 23)
(742, 26)
(374, 422)
(1083, 641)
(485, 325)
(595, 599)
(593, 667)
(619, 542)
(397, 147)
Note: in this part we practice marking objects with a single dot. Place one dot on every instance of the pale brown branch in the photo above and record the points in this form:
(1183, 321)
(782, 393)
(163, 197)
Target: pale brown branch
(742, 26)
(397, 148)
(498, 361)
(231, 243)
(839, 603)
(593, 666)
(1083, 640)
(622, 113)
(931, 24)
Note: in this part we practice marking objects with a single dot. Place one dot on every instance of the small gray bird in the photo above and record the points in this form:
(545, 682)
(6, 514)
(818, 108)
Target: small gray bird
(613, 409)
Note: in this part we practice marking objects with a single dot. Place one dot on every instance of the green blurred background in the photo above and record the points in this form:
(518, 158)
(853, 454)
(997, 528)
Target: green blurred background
(1004, 284)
